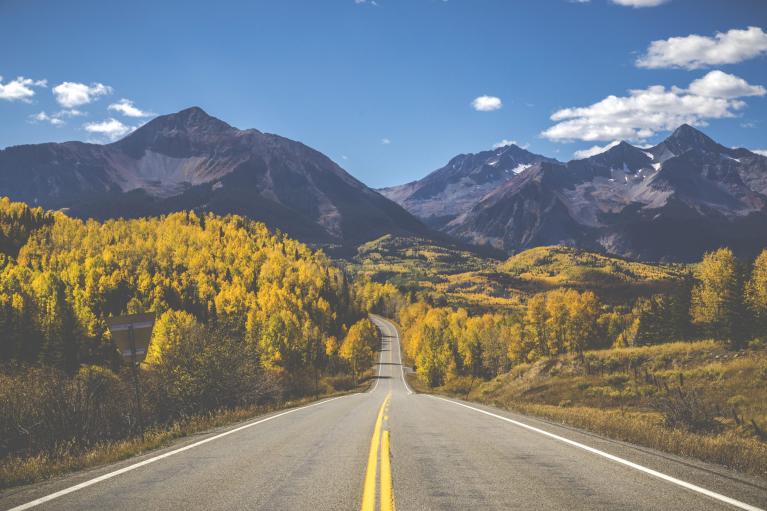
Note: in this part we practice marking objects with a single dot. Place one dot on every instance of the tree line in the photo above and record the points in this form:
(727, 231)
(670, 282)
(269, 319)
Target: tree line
(722, 298)
(244, 316)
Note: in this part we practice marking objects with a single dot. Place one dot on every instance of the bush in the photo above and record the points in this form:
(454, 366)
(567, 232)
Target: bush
(685, 408)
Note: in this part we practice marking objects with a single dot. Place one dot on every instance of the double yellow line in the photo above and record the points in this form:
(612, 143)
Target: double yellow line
(382, 441)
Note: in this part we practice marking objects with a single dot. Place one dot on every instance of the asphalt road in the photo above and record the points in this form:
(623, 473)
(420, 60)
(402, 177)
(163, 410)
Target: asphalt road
(444, 454)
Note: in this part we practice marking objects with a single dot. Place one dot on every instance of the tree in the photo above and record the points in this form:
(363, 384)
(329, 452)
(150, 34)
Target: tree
(717, 298)
(357, 348)
(536, 326)
(756, 292)
(171, 329)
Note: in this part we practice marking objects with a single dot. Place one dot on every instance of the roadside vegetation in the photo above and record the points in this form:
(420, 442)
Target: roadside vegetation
(668, 356)
(247, 320)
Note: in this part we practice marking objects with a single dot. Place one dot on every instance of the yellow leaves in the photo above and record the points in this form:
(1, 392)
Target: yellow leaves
(213, 268)
(170, 329)
(357, 348)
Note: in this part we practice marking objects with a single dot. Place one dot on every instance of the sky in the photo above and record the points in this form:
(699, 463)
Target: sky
(390, 89)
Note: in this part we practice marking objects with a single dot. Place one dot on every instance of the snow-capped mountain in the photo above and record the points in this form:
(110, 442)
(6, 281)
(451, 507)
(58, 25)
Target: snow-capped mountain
(455, 188)
(673, 201)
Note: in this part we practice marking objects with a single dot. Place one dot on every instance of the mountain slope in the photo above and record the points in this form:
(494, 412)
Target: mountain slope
(453, 189)
(671, 202)
(190, 160)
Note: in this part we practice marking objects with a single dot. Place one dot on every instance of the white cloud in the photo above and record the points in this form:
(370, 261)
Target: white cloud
(44, 117)
(369, 2)
(20, 89)
(385, 141)
(594, 150)
(110, 128)
(717, 84)
(640, 3)
(56, 119)
(645, 112)
(128, 109)
(486, 103)
(506, 142)
(72, 94)
(762, 152)
(696, 51)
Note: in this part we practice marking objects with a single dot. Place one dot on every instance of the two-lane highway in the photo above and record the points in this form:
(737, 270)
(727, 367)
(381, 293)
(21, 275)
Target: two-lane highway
(392, 447)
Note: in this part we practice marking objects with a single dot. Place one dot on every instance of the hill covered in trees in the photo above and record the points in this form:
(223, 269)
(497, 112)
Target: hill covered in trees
(245, 316)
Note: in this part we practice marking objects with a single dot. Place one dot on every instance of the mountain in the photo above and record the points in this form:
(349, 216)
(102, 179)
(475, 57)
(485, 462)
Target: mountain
(670, 202)
(453, 189)
(190, 160)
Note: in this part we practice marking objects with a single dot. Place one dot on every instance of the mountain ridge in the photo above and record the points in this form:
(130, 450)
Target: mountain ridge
(669, 202)
(191, 160)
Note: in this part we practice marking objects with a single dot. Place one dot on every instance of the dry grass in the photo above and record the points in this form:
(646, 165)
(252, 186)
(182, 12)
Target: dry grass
(16, 471)
(628, 393)
(730, 449)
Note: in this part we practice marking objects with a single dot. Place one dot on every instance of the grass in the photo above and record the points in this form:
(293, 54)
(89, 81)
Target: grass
(17, 471)
(459, 278)
(616, 393)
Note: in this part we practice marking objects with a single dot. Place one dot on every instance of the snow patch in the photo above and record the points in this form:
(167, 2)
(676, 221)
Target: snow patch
(521, 168)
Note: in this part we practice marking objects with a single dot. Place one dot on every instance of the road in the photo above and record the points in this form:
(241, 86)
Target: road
(441, 454)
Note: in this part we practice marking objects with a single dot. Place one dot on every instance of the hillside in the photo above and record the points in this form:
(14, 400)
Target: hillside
(463, 278)
(672, 202)
(192, 161)
(695, 399)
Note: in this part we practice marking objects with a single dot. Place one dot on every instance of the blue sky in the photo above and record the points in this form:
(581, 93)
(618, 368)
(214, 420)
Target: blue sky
(386, 88)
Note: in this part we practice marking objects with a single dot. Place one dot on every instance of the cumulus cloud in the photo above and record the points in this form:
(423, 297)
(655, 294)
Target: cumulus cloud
(128, 109)
(645, 112)
(594, 150)
(762, 152)
(717, 84)
(486, 103)
(696, 51)
(72, 94)
(640, 3)
(110, 128)
(385, 141)
(20, 89)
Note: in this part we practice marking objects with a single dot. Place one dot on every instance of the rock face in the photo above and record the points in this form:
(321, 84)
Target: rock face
(190, 160)
(671, 202)
(455, 188)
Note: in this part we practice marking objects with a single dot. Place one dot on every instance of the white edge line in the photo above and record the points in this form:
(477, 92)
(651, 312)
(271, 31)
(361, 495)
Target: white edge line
(110, 475)
(655, 473)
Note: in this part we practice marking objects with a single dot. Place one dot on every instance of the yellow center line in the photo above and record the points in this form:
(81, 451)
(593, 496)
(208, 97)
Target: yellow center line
(387, 493)
(369, 491)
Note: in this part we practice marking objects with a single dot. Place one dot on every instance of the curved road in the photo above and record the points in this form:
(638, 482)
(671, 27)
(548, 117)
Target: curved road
(444, 454)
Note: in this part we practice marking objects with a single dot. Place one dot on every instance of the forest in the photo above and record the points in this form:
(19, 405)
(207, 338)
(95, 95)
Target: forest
(719, 298)
(244, 316)
(248, 317)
